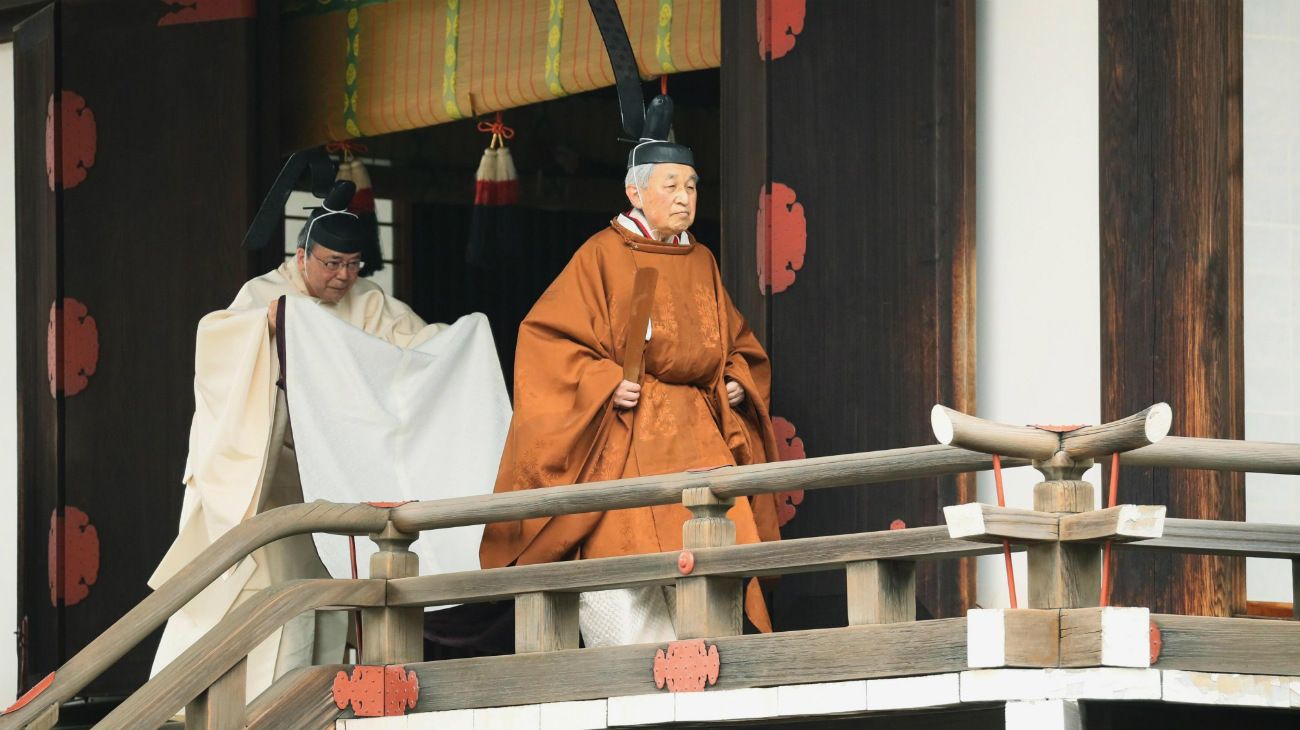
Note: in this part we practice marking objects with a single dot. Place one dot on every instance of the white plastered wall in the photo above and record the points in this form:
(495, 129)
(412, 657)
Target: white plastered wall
(8, 390)
(1271, 130)
(1037, 239)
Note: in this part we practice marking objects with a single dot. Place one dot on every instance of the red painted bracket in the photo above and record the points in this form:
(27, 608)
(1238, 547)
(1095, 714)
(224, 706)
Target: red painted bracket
(687, 666)
(377, 691)
(30, 694)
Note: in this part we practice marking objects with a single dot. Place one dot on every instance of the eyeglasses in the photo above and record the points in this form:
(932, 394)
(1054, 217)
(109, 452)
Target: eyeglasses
(336, 265)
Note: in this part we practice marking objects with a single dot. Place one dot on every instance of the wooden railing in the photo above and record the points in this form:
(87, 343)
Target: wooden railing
(882, 638)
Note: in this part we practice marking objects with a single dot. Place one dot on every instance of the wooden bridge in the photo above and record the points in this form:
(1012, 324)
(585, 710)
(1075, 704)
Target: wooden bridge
(1017, 668)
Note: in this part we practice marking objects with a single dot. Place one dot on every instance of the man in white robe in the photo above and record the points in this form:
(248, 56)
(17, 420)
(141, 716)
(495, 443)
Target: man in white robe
(231, 439)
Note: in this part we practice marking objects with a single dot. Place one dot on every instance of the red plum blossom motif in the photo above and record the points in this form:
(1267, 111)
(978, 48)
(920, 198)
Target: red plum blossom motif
(79, 556)
(782, 238)
(779, 23)
(79, 140)
(789, 447)
(80, 347)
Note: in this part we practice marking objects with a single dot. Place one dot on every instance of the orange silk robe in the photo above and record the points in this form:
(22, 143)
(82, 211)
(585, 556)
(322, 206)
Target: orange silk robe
(565, 429)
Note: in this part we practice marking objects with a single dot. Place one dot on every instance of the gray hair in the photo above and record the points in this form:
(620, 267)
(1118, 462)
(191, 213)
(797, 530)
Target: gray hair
(303, 241)
(639, 175)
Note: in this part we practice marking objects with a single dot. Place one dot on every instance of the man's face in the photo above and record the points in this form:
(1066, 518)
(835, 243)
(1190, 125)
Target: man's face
(322, 283)
(668, 200)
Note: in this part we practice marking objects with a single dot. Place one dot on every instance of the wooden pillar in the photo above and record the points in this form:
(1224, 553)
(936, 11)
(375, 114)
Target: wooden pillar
(221, 706)
(848, 179)
(708, 606)
(1171, 274)
(1062, 574)
(393, 635)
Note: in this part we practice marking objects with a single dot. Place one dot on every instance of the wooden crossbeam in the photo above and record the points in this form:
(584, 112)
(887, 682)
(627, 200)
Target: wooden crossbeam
(1218, 537)
(769, 558)
(756, 660)
(989, 523)
(1242, 645)
(1123, 523)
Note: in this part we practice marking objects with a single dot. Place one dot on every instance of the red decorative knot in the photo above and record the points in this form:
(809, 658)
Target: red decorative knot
(782, 238)
(685, 562)
(377, 691)
(205, 11)
(78, 560)
(898, 525)
(779, 22)
(1058, 429)
(80, 337)
(788, 447)
(1157, 643)
(687, 666)
(77, 122)
(30, 694)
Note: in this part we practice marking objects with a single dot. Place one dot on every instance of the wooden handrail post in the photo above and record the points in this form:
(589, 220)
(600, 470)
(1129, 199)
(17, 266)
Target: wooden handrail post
(546, 621)
(393, 635)
(1062, 574)
(221, 706)
(881, 591)
(708, 606)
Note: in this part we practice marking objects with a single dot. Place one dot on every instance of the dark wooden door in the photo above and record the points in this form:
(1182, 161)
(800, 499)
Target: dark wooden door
(848, 242)
(138, 133)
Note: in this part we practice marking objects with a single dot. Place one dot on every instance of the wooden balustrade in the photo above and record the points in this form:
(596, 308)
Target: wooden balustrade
(1061, 534)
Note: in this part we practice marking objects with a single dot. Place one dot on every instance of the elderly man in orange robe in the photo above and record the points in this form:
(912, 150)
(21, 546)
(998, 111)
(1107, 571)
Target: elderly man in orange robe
(702, 402)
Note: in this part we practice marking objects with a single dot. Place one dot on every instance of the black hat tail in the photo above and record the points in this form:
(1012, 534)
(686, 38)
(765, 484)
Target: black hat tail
(627, 76)
(269, 216)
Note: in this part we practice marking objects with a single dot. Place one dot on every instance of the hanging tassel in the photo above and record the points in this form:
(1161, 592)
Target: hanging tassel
(363, 202)
(494, 231)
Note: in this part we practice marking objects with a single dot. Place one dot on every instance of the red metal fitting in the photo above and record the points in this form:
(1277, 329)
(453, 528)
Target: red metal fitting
(687, 666)
(685, 562)
(1157, 643)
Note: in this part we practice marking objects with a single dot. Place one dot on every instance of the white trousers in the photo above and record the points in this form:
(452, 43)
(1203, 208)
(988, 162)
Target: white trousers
(628, 616)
